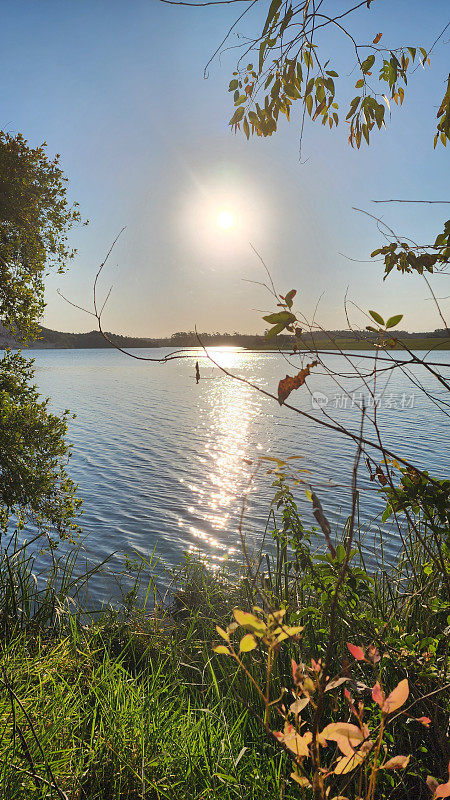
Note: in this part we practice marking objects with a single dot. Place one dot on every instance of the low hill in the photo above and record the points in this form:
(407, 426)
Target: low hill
(330, 340)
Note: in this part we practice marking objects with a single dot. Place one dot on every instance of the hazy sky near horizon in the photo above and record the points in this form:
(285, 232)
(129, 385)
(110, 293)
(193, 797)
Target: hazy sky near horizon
(118, 90)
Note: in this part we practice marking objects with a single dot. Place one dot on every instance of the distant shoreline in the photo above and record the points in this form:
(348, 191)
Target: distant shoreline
(330, 340)
(424, 345)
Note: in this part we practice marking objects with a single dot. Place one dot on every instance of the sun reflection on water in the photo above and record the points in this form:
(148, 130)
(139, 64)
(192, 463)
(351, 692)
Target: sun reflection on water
(227, 408)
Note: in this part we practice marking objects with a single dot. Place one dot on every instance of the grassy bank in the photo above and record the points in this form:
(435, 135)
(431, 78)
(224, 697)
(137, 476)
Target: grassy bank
(135, 704)
(129, 706)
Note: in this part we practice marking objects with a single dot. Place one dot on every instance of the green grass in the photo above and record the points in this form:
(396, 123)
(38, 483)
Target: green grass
(137, 706)
(108, 733)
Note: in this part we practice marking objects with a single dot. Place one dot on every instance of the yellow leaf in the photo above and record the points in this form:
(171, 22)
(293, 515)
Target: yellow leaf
(286, 632)
(347, 763)
(248, 642)
(222, 650)
(249, 621)
(281, 637)
(294, 630)
(292, 740)
(308, 685)
(222, 633)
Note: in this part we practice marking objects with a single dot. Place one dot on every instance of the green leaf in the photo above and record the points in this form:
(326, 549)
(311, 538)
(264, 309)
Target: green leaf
(281, 317)
(368, 63)
(359, 83)
(392, 321)
(233, 85)
(262, 48)
(225, 777)
(291, 91)
(376, 317)
(237, 116)
(275, 330)
(308, 59)
(379, 114)
(273, 8)
(289, 298)
(309, 86)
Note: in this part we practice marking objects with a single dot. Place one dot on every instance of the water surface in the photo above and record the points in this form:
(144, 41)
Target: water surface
(163, 462)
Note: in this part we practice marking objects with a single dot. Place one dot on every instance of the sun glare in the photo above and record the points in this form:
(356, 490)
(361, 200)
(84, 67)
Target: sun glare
(225, 220)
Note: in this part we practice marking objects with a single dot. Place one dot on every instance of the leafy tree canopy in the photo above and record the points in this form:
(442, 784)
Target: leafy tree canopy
(285, 64)
(34, 221)
(33, 453)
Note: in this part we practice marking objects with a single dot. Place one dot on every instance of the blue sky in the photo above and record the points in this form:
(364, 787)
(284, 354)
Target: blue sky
(117, 88)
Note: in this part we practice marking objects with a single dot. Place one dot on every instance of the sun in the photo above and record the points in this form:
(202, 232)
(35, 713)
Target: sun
(225, 219)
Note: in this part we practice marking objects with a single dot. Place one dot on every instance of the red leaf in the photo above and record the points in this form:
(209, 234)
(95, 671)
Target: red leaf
(357, 652)
(443, 790)
(348, 697)
(377, 38)
(289, 383)
(377, 694)
(424, 720)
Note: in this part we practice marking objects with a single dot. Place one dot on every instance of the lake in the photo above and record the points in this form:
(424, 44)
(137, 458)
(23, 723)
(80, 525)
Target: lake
(163, 463)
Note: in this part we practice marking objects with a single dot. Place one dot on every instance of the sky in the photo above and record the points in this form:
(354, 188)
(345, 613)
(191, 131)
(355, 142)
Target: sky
(117, 88)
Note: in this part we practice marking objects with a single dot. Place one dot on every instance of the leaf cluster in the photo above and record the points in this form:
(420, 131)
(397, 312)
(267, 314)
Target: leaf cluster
(290, 69)
(35, 218)
(34, 483)
(407, 257)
